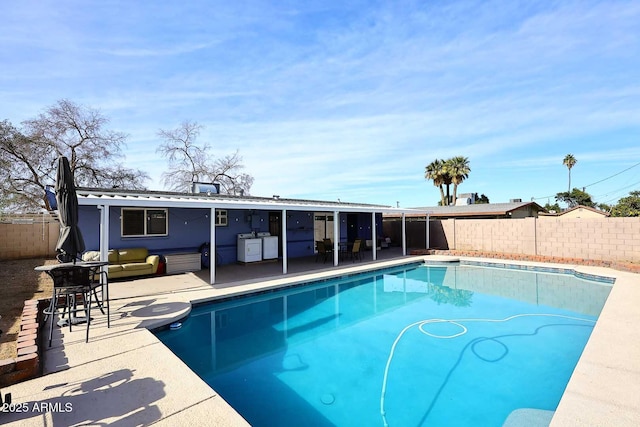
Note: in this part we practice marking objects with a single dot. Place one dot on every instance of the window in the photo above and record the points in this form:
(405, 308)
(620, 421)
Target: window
(221, 218)
(144, 222)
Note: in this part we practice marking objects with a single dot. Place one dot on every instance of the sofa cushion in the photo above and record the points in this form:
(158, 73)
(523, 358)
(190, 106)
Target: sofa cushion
(133, 255)
(136, 266)
(114, 268)
(114, 257)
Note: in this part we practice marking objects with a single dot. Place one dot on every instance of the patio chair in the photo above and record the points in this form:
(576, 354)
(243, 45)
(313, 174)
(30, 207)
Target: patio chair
(323, 251)
(356, 250)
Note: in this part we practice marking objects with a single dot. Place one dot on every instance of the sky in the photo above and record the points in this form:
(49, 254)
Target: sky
(350, 100)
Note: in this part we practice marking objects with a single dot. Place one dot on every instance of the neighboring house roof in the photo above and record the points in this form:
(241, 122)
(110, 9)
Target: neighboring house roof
(581, 208)
(481, 210)
(144, 198)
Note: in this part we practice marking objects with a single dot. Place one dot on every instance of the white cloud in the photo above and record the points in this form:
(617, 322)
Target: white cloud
(357, 96)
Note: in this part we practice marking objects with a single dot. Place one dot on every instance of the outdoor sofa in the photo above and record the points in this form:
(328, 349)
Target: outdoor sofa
(127, 262)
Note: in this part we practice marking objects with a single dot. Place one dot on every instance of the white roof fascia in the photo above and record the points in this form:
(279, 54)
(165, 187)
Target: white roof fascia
(187, 202)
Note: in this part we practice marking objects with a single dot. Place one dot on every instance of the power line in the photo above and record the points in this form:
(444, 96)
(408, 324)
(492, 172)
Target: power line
(618, 190)
(597, 182)
(545, 197)
(616, 174)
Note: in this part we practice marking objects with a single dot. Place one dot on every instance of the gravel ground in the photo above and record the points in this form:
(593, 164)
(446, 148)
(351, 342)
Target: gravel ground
(18, 283)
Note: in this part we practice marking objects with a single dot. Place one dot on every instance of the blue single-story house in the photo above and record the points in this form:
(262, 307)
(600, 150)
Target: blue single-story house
(169, 223)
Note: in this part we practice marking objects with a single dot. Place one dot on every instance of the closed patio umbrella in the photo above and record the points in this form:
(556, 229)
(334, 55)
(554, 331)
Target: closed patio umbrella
(70, 243)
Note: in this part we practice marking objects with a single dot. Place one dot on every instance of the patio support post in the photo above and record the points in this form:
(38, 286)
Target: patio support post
(404, 234)
(374, 236)
(284, 241)
(336, 236)
(104, 232)
(104, 239)
(212, 248)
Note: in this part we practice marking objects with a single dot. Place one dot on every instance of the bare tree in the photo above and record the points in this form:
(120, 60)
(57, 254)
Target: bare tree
(227, 174)
(67, 129)
(26, 168)
(189, 162)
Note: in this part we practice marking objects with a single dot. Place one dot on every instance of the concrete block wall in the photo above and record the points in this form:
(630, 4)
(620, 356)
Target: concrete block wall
(606, 239)
(28, 237)
(614, 239)
(499, 235)
(598, 239)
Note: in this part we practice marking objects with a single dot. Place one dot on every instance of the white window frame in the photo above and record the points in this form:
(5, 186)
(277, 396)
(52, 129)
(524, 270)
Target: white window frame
(145, 233)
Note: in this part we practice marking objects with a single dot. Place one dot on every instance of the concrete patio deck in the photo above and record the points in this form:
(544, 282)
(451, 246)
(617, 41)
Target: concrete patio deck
(125, 376)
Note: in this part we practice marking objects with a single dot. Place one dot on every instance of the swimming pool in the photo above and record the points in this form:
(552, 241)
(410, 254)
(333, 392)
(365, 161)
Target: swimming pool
(415, 345)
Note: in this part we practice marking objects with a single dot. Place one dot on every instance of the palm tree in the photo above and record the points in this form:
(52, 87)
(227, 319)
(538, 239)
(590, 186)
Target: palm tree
(446, 180)
(458, 169)
(569, 161)
(435, 171)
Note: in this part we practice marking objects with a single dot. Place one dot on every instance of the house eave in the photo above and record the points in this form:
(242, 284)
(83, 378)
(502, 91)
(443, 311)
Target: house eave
(97, 197)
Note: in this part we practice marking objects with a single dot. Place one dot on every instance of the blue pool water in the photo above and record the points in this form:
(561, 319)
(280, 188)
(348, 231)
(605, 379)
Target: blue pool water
(411, 346)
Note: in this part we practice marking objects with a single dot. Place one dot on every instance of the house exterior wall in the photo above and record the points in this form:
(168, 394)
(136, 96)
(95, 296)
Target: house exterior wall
(364, 229)
(581, 213)
(89, 224)
(524, 212)
(188, 228)
(300, 239)
(607, 239)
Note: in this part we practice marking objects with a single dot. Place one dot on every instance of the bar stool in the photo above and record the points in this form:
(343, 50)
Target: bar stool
(68, 283)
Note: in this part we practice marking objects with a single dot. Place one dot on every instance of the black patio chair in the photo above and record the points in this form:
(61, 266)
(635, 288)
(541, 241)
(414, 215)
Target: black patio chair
(323, 251)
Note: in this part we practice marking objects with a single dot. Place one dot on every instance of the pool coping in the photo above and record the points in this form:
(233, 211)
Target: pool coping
(603, 389)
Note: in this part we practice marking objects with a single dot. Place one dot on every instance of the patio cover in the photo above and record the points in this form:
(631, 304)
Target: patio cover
(103, 199)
